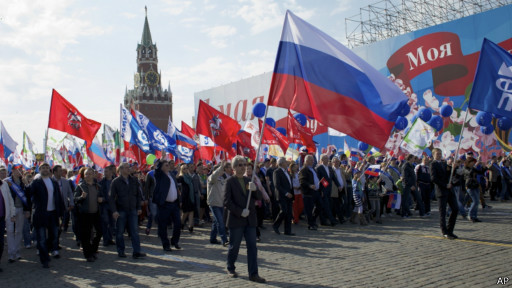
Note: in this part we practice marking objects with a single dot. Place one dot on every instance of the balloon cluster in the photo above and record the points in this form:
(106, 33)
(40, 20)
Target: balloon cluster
(424, 114)
(484, 119)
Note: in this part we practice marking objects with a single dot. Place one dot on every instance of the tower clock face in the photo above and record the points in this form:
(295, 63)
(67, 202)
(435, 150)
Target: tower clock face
(151, 78)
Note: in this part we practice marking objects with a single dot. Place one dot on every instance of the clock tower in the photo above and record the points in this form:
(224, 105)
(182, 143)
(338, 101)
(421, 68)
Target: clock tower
(147, 95)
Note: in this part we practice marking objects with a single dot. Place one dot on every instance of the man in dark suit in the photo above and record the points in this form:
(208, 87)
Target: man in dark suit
(269, 177)
(49, 207)
(167, 199)
(309, 184)
(440, 175)
(326, 175)
(242, 220)
(284, 196)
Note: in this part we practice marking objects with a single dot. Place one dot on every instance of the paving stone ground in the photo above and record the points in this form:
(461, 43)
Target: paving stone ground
(399, 253)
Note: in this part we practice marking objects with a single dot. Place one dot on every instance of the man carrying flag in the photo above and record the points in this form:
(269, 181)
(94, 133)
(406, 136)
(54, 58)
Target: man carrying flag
(319, 77)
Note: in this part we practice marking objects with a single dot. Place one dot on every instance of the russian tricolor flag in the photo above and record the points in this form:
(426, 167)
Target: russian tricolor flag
(317, 76)
(7, 144)
(97, 155)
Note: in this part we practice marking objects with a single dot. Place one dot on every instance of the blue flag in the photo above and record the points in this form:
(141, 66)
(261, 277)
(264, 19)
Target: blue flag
(158, 140)
(492, 87)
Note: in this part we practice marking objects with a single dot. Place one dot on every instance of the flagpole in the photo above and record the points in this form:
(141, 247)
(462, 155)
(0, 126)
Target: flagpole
(257, 155)
(45, 144)
(458, 146)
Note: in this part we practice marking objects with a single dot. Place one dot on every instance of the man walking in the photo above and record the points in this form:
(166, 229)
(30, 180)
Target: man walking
(284, 196)
(125, 202)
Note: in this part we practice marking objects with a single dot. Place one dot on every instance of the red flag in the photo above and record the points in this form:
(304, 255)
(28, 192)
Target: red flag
(187, 130)
(324, 182)
(66, 118)
(273, 137)
(299, 134)
(221, 128)
(244, 146)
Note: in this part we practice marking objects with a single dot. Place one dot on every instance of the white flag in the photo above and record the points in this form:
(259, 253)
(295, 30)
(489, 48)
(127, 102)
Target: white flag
(418, 138)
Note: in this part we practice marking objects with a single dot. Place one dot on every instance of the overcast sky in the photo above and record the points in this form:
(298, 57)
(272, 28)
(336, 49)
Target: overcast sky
(86, 50)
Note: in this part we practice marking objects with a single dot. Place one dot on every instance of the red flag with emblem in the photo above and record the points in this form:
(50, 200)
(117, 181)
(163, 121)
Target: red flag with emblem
(244, 146)
(66, 118)
(221, 128)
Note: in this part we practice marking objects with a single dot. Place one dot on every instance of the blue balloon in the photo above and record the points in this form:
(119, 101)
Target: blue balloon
(504, 123)
(436, 122)
(301, 118)
(483, 118)
(401, 123)
(487, 130)
(259, 109)
(362, 146)
(425, 114)
(404, 110)
(271, 122)
(446, 110)
(281, 130)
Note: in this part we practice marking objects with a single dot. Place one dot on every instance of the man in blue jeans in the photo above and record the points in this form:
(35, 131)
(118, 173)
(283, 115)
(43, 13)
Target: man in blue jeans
(215, 199)
(125, 202)
(242, 220)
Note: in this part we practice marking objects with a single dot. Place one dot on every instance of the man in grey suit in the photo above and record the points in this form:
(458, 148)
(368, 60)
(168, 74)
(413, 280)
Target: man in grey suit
(284, 196)
(241, 219)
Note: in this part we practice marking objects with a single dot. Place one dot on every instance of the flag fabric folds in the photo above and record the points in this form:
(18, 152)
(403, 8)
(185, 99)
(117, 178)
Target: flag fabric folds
(221, 128)
(299, 134)
(109, 143)
(7, 144)
(158, 140)
(27, 152)
(418, 138)
(491, 90)
(317, 76)
(66, 118)
(96, 154)
(185, 146)
(132, 133)
(273, 137)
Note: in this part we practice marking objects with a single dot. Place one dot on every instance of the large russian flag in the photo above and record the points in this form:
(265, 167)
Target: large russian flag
(316, 75)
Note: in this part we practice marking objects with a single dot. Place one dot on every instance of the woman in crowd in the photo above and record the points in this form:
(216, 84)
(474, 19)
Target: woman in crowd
(187, 197)
(298, 204)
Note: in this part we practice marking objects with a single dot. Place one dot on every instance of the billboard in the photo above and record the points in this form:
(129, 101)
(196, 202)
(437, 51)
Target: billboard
(434, 66)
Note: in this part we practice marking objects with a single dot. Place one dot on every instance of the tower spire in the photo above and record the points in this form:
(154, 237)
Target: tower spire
(146, 33)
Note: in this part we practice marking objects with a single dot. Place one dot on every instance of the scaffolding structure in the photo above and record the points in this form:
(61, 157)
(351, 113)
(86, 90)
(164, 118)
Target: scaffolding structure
(390, 18)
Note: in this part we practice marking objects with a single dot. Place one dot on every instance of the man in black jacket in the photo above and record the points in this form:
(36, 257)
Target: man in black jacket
(49, 207)
(440, 175)
(309, 184)
(167, 199)
(242, 220)
(284, 196)
(409, 182)
(326, 175)
(125, 202)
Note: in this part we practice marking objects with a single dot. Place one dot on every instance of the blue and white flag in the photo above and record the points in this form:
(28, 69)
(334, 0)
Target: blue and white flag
(158, 140)
(131, 131)
(492, 87)
(185, 146)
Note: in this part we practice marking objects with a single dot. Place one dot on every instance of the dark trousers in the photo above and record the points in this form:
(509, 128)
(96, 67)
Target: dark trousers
(235, 238)
(285, 215)
(448, 199)
(384, 204)
(495, 186)
(274, 207)
(167, 213)
(309, 203)
(107, 224)
(48, 242)
(406, 197)
(425, 191)
(2, 233)
(336, 210)
(326, 209)
(88, 221)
